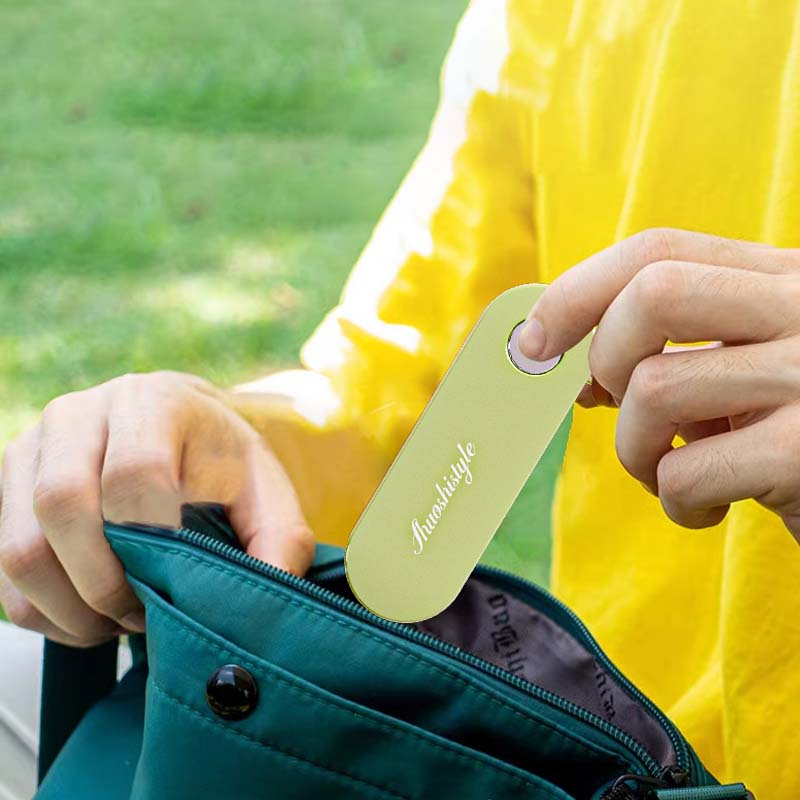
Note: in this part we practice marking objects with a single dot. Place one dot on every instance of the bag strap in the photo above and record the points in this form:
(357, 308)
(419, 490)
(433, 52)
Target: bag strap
(73, 680)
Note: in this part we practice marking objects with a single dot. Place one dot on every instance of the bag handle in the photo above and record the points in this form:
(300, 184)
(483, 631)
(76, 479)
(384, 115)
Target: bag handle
(73, 680)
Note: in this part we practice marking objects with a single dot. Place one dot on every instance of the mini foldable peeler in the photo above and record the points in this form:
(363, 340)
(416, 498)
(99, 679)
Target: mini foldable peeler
(462, 466)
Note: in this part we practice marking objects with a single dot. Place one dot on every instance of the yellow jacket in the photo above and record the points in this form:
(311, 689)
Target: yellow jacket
(563, 127)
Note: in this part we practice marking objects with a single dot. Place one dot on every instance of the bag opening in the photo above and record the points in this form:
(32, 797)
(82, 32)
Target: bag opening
(502, 629)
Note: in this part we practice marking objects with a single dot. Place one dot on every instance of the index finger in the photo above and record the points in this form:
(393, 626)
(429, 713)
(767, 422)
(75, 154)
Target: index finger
(576, 301)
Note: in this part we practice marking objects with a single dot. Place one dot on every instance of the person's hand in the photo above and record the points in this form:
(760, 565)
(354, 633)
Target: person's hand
(736, 403)
(133, 449)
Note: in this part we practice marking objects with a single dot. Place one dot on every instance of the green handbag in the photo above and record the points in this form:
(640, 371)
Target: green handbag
(258, 684)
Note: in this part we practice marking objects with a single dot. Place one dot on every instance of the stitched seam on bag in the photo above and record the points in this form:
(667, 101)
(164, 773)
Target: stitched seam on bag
(464, 758)
(447, 674)
(304, 762)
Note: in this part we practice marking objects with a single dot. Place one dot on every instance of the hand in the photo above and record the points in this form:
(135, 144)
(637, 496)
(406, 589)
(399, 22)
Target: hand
(133, 449)
(736, 403)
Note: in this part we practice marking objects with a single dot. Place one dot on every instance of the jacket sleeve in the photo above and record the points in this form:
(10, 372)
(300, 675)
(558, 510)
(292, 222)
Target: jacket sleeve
(457, 233)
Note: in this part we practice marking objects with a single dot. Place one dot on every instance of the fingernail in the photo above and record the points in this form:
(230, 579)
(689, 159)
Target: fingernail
(134, 621)
(532, 339)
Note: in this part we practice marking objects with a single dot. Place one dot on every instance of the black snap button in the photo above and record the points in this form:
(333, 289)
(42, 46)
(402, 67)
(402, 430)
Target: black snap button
(232, 692)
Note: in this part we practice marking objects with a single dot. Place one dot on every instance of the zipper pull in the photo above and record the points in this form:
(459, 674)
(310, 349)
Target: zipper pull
(671, 785)
(731, 791)
(634, 787)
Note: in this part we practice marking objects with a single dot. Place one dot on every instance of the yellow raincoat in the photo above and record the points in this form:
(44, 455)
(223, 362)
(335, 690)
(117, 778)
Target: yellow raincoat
(563, 127)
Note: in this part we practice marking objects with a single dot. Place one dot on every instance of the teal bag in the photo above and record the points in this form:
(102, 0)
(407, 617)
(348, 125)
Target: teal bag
(256, 684)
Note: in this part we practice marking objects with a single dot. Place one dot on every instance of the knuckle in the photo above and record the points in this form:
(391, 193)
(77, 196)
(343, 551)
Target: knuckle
(658, 282)
(131, 475)
(675, 477)
(167, 398)
(160, 381)
(653, 244)
(57, 500)
(127, 380)
(142, 381)
(22, 613)
(171, 389)
(651, 383)
(129, 384)
(164, 375)
(109, 596)
(303, 538)
(61, 407)
(21, 559)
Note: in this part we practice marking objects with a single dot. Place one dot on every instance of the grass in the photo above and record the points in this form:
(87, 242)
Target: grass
(187, 184)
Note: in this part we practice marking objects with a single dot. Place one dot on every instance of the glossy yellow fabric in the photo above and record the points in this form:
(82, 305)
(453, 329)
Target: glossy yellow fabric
(563, 127)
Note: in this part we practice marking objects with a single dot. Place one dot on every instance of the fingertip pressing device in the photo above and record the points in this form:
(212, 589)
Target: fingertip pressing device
(462, 466)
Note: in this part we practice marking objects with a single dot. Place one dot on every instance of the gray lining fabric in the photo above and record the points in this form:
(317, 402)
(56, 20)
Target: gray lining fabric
(505, 631)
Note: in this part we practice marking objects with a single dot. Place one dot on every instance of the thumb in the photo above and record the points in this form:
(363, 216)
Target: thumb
(267, 517)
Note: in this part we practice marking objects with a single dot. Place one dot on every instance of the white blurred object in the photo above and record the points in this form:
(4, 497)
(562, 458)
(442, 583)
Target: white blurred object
(20, 678)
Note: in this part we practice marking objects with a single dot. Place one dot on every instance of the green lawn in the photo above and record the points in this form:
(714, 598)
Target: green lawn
(186, 184)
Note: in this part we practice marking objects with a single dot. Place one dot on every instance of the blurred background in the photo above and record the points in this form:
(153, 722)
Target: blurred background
(186, 185)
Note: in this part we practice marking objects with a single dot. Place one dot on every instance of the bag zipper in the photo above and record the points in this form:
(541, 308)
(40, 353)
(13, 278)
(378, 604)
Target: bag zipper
(350, 607)
(514, 583)
(667, 789)
(678, 743)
